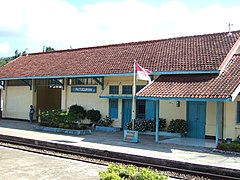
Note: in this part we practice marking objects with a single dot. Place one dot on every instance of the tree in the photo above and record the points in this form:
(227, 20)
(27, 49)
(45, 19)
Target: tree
(48, 49)
(17, 54)
(5, 60)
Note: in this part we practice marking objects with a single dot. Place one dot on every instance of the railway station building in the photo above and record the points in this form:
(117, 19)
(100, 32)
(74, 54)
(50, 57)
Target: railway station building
(196, 78)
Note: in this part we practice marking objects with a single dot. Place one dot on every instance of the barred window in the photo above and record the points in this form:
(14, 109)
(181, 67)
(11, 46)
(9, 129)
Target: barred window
(127, 89)
(113, 90)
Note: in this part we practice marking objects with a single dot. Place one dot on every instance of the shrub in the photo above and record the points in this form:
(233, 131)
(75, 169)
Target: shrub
(233, 146)
(142, 125)
(93, 115)
(82, 126)
(139, 125)
(161, 125)
(177, 126)
(238, 139)
(129, 125)
(60, 119)
(107, 121)
(78, 111)
(52, 118)
(118, 172)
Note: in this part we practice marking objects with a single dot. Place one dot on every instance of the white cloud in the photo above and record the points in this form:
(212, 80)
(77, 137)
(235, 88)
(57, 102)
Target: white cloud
(11, 14)
(211, 19)
(4, 47)
(59, 24)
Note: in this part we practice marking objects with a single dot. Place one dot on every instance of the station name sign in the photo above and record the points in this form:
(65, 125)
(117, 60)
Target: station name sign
(84, 89)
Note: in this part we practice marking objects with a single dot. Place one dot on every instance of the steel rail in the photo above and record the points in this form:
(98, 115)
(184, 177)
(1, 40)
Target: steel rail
(110, 159)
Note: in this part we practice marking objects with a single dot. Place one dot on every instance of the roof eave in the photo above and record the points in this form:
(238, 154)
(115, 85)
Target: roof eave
(229, 56)
(235, 93)
(184, 99)
(112, 74)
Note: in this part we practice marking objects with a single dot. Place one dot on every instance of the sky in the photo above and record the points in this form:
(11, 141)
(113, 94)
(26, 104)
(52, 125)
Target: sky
(64, 24)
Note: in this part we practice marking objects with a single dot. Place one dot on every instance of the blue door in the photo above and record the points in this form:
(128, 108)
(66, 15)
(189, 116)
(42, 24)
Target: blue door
(196, 119)
(150, 110)
(113, 108)
(127, 112)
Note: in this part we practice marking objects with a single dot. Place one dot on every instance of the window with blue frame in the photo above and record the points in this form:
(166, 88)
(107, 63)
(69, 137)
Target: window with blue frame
(140, 109)
(139, 87)
(238, 112)
(113, 108)
(113, 89)
(126, 89)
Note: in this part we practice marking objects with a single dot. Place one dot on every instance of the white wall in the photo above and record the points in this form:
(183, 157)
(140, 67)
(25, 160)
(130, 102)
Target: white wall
(18, 99)
(87, 100)
(232, 129)
(169, 110)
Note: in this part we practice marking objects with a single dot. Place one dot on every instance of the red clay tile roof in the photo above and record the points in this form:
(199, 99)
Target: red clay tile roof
(202, 52)
(196, 86)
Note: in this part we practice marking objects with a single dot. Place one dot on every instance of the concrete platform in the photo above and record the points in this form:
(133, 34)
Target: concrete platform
(113, 142)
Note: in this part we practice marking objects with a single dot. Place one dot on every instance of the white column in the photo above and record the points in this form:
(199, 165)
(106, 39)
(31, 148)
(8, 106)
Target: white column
(217, 122)
(64, 95)
(157, 122)
(4, 113)
(34, 99)
(34, 93)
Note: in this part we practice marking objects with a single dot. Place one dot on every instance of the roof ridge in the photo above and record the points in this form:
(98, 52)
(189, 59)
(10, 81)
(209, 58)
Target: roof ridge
(128, 43)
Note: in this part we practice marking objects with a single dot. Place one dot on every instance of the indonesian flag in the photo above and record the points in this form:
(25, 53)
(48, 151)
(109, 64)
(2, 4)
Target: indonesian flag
(143, 74)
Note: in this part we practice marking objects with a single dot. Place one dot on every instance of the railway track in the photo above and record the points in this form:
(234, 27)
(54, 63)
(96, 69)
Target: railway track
(106, 158)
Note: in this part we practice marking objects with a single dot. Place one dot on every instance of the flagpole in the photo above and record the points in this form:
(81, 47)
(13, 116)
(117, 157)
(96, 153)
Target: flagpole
(134, 94)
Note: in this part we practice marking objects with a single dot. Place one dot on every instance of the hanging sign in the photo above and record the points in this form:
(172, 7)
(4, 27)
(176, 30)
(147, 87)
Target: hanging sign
(84, 89)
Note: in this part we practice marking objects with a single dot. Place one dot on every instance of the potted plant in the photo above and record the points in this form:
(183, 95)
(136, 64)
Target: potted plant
(105, 124)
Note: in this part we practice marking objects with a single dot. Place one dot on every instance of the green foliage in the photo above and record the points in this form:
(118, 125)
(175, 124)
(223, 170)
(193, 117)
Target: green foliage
(161, 126)
(78, 111)
(60, 119)
(177, 126)
(93, 115)
(17, 54)
(5, 60)
(143, 125)
(232, 146)
(48, 49)
(72, 118)
(107, 121)
(119, 172)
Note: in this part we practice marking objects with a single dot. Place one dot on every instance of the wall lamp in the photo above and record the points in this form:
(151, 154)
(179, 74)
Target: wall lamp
(178, 103)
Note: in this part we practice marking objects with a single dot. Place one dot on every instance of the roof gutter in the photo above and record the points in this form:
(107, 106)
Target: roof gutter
(184, 99)
(113, 74)
(186, 72)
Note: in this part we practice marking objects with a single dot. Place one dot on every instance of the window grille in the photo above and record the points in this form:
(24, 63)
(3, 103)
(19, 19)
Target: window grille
(113, 90)
(127, 89)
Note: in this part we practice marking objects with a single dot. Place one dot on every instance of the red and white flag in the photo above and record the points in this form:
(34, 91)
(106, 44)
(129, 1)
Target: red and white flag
(143, 74)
